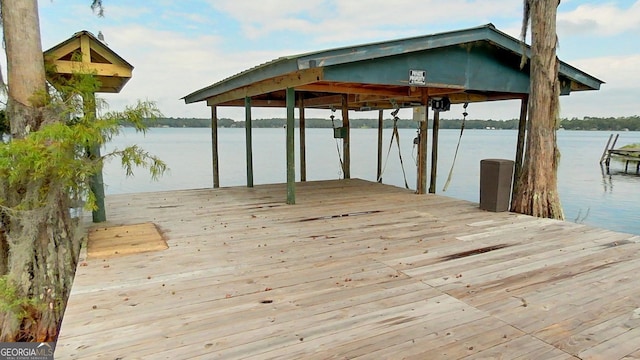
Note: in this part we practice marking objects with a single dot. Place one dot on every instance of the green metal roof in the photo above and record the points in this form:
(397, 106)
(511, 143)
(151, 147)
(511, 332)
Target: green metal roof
(475, 64)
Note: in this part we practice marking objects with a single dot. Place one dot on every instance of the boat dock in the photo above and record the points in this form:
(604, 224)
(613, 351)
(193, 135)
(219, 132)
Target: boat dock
(354, 270)
(623, 154)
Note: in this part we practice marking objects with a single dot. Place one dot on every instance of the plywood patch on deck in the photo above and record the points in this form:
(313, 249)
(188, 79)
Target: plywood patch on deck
(123, 240)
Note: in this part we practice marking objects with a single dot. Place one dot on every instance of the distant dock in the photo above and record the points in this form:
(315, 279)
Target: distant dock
(355, 269)
(626, 155)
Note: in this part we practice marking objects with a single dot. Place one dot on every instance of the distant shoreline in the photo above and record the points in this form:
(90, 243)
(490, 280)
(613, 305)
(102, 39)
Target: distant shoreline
(631, 123)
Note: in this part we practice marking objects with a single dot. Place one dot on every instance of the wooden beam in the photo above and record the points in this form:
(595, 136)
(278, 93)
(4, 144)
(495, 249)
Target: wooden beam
(249, 147)
(64, 50)
(100, 69)
(380, 127)
(346, 147)
(291, 158)
(434, 151)
(323, 101)
(257, 103)
(303, 142)
(106, 53)
(354, 88)
(214, 146)
(522, 128)
(85, 49)
(422, 147)
(435, 92)
(461, 98)
(283, 82)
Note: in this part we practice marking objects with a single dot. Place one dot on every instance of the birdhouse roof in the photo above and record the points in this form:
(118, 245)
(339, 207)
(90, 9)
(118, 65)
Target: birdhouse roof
(85, 53)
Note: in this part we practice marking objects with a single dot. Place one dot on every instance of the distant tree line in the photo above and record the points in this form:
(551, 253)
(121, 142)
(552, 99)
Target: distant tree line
(630, 123)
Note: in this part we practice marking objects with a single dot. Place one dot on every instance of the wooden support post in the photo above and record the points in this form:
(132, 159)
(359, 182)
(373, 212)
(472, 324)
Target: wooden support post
(291, 156)
(422, 146)
(303, 142)
(434, 151)
(214, 146)
(85, 49)
(249, 147)
(96, 183)
(522, 129)
(346, 147)
(380, 127)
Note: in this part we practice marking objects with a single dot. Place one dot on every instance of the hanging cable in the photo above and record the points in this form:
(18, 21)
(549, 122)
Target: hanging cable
(395, 135)
(455, 155)
(395, 131)
(386, 160)
(337, 143)
(416, 142)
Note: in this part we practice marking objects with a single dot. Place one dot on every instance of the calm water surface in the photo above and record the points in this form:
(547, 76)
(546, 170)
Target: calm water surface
(588, 196)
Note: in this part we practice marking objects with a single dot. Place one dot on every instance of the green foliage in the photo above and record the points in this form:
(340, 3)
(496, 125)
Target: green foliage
(43, 175)
(96, 7)
(11, 302)
(635, 146)
(5, 128)
(630, 123)
(55, 155)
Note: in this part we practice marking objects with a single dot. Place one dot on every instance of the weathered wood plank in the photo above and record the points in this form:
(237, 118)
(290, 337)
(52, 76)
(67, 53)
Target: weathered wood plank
(355, 270)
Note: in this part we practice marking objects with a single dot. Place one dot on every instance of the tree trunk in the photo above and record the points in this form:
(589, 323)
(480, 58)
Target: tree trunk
(38, 245)
(25, 65)
(43, 253)
(537, 190)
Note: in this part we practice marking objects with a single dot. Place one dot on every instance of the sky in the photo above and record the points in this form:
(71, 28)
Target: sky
(178, 47)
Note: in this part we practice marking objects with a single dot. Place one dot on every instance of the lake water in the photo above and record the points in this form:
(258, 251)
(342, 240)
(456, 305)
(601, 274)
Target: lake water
(588, 196)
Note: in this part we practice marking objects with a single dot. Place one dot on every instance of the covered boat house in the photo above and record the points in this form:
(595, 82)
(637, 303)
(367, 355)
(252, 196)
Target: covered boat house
(471, 65)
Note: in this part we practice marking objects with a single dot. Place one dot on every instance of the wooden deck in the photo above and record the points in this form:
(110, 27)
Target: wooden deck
(354, 270)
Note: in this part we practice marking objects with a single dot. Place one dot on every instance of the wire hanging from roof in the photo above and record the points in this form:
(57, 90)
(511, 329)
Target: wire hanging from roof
(455, 155)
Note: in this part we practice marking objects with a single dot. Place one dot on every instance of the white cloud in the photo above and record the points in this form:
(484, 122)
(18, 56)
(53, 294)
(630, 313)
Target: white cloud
(617, 97)
(190, 17)
(123, 13)
(604, 19)
(347, 21)
(258, 19)
(172, 65)
(617, 71)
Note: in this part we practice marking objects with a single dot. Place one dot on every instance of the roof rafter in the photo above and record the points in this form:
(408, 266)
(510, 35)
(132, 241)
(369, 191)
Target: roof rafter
(290, 80)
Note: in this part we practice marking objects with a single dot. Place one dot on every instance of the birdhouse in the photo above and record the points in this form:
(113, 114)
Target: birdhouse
(84, 53)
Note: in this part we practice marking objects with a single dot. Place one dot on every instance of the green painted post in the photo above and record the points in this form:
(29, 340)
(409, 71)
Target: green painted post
(303, 140)
(96, 183)
(291, 158)
(97, 187)
(346, 140)
(434, 151)
(214, 146)
(422, 146)
(247, 126)
(380, 126)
